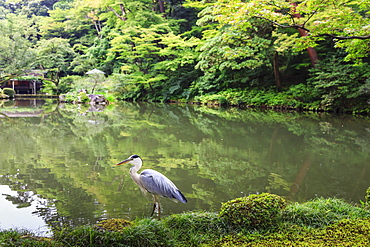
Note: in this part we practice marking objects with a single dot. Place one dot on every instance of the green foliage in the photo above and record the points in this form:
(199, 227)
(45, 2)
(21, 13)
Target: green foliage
(252, 97)
(348, 232)
(157, 64)
(195, 228)
(347, 19)
(351, 227)
(146, 232)
(113, 224)
(24, 238)
(339, 85)
(80, 97)
(67, 83)
(55, 55)
(343, 233)
(233, 50)
(70, 97)
(16, 53)
(3, 95)
(9, 91)
(74, 21)
(109, 97)
(49, 87)
(83, 97)
(213, 99)
(367, 197)
(161, 51)
(313, 96)
(254, 211)
(233, 58)
(304, 93)
(321, 212)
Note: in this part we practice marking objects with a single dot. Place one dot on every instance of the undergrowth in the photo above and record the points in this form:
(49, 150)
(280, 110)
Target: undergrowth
(320, 222)
(298, 97)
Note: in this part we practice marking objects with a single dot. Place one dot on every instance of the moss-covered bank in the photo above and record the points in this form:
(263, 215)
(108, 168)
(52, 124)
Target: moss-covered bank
(320, 222)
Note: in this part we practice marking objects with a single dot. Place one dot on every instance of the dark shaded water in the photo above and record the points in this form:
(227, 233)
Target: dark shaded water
(57, 161)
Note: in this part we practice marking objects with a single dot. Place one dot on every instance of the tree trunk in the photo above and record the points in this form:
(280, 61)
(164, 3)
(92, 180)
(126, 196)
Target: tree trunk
(300, 176)
(161, 6)
(310, 50)
(276, 70)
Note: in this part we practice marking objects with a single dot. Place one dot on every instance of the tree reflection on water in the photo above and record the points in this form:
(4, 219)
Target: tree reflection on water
(65, 154)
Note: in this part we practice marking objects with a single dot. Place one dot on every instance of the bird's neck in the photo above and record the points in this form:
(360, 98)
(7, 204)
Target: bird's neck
(134, 170)
(136, 176)
(136, 166)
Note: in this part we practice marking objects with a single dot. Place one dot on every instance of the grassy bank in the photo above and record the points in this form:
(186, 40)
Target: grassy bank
(267, 221)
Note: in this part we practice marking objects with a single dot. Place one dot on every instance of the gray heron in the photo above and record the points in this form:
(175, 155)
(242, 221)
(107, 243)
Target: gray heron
(153, 182)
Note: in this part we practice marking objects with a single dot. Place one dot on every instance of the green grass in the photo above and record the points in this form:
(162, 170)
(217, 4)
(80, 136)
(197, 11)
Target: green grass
(322, 212)
(24, 238)
(195, 228)
(320, 222)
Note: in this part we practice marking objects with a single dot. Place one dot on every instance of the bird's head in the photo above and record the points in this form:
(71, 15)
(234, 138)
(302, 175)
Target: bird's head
(133, 159)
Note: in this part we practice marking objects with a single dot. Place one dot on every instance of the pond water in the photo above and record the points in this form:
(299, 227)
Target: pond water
(57, 161)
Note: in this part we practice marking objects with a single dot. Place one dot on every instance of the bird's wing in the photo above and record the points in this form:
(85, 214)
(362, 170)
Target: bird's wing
(158, 184)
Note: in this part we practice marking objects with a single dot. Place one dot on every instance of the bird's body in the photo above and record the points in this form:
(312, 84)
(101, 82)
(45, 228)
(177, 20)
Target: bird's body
(158, 184)
(152, 181)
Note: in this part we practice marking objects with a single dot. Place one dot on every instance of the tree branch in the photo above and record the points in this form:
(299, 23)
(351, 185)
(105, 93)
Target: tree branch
(296, 26)
(122, 17)
(345, 37)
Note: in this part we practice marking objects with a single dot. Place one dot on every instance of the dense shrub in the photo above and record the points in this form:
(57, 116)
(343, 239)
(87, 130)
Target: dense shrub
(214, 99)
(66, 83)
(9, 91)
(2, 95)
(49, 87)
(254, 211)
(339, 85)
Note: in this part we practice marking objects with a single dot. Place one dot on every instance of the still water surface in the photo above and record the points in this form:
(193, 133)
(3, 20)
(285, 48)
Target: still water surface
(57, 161)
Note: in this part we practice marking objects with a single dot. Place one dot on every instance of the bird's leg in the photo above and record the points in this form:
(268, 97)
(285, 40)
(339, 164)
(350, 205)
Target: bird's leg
(154, 204)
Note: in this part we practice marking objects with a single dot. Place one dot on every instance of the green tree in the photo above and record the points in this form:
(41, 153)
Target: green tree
(232, 57)
(344, 22)
(54, 55)
(18, 34)
(71, 22)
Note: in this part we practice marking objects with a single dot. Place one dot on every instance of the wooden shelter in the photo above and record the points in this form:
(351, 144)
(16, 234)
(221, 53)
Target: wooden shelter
(23, 86)
(26, 86)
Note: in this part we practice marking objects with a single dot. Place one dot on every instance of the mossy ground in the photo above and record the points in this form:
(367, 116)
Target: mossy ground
(321, 222)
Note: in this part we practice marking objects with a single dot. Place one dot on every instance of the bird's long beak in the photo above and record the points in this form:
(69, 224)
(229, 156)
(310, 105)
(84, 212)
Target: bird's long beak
(123, 162)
